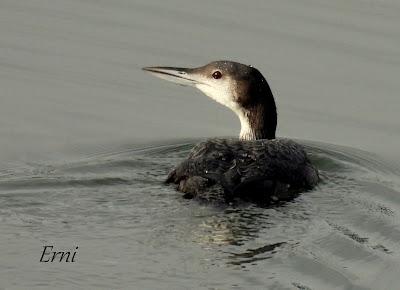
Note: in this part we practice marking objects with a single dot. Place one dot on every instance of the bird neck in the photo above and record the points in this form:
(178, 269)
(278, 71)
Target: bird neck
(257, 124)
(258, 119)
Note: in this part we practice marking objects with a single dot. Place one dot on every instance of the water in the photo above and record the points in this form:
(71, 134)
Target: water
(135, 232)
(86, 140)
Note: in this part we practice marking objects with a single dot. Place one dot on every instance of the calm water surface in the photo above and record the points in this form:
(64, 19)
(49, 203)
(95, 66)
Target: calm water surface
(86, 140)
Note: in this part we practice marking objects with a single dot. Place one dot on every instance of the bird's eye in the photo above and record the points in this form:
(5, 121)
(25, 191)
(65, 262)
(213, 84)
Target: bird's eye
(217, 74)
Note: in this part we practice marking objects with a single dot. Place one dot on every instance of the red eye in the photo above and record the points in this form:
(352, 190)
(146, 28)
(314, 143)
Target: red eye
(217, 74)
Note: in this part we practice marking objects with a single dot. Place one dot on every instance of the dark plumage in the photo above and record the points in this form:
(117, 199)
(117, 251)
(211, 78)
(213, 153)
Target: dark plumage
(260, 170)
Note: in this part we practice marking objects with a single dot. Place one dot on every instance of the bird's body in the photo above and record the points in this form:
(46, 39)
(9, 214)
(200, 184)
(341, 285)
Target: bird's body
(256, 167)
(261, 170)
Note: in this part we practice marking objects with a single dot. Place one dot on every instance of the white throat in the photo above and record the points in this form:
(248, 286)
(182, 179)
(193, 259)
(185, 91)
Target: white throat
(246, 131)
(224, 96)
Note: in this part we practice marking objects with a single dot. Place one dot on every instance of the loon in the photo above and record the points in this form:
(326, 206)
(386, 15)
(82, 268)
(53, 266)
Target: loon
(255, 167)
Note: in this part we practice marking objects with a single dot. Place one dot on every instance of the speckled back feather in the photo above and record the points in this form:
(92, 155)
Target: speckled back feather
(256, 168)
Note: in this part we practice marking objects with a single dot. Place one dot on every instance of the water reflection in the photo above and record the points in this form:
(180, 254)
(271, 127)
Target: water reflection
(254, 255)
(234, 226)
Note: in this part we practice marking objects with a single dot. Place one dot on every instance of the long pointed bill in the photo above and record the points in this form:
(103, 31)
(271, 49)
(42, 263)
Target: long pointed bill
(182, 76)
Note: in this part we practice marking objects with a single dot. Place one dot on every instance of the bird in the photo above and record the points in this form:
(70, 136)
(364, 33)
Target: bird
(257, 166)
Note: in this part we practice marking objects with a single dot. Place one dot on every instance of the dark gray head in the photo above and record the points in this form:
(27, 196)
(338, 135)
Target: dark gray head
(240, 87)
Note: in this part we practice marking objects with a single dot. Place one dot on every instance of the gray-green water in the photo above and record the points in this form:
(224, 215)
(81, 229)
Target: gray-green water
(86, 140)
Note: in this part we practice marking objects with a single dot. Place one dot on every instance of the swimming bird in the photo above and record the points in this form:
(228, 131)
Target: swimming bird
(257, 166)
